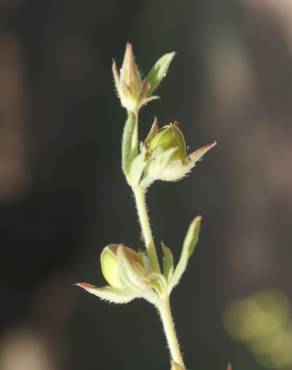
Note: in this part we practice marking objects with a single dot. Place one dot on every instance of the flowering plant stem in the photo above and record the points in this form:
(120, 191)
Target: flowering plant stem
(164, 305)
(129, 140)
(146, 228)
(170, 333)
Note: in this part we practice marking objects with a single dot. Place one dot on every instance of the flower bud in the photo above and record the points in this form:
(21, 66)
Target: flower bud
(169, 137)
(128, 83)
(132, 90)
(110, 263)
(166, 155)
(128, 275)
(129, 73)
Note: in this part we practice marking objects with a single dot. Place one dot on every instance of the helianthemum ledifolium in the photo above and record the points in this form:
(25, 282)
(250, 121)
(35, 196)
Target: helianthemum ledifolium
(132, 273)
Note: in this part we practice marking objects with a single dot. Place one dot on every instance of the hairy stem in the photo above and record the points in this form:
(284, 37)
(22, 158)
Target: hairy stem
(146, 228)
(170, 333)
(129, 141)
(129, 152)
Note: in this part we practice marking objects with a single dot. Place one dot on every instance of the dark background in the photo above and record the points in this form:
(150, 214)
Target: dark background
(63, 196)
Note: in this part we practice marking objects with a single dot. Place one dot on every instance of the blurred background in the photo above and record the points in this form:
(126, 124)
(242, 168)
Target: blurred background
(63, 196)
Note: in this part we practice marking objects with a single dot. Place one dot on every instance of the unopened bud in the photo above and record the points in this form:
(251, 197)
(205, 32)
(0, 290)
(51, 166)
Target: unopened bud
(128, 275)
(110, 264)
(129, 85)
(166, 154)
(169, 137)
(132, 90)
(129, 73)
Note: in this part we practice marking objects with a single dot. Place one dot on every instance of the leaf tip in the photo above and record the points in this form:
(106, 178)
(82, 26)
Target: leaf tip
(197, 220)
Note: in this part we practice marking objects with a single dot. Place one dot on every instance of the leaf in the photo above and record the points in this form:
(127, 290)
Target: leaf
(192, 236)
(189, 245)
(158, 72)
(129, 142)
(107, 293)
(168, 266)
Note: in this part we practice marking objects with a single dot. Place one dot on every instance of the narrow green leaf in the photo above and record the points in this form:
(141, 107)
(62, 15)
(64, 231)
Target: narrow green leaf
(192, 236)
(189, 245)
(107, 293)
(129, 142)
(158, 72)
(167, 262)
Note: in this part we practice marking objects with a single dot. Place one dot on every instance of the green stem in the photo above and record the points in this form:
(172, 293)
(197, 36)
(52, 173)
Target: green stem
(130, 148)
(139, 194)
(170, 333)
(130, 145)
(129, 141)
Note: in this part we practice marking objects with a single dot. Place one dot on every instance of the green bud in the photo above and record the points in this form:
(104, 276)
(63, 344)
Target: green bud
(132, 90)
(128, 82)
(169, 137)
(128, 275)
(110, 265)
(166, 155)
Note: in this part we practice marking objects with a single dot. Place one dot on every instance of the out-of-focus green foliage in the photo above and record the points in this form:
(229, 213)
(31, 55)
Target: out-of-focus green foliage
(263, 322)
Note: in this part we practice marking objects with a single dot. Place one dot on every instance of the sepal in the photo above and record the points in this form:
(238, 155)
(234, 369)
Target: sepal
(158, 283)
(157, 166)
(132, 275)
(153, 130)
(107, 293)
(199, 153)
